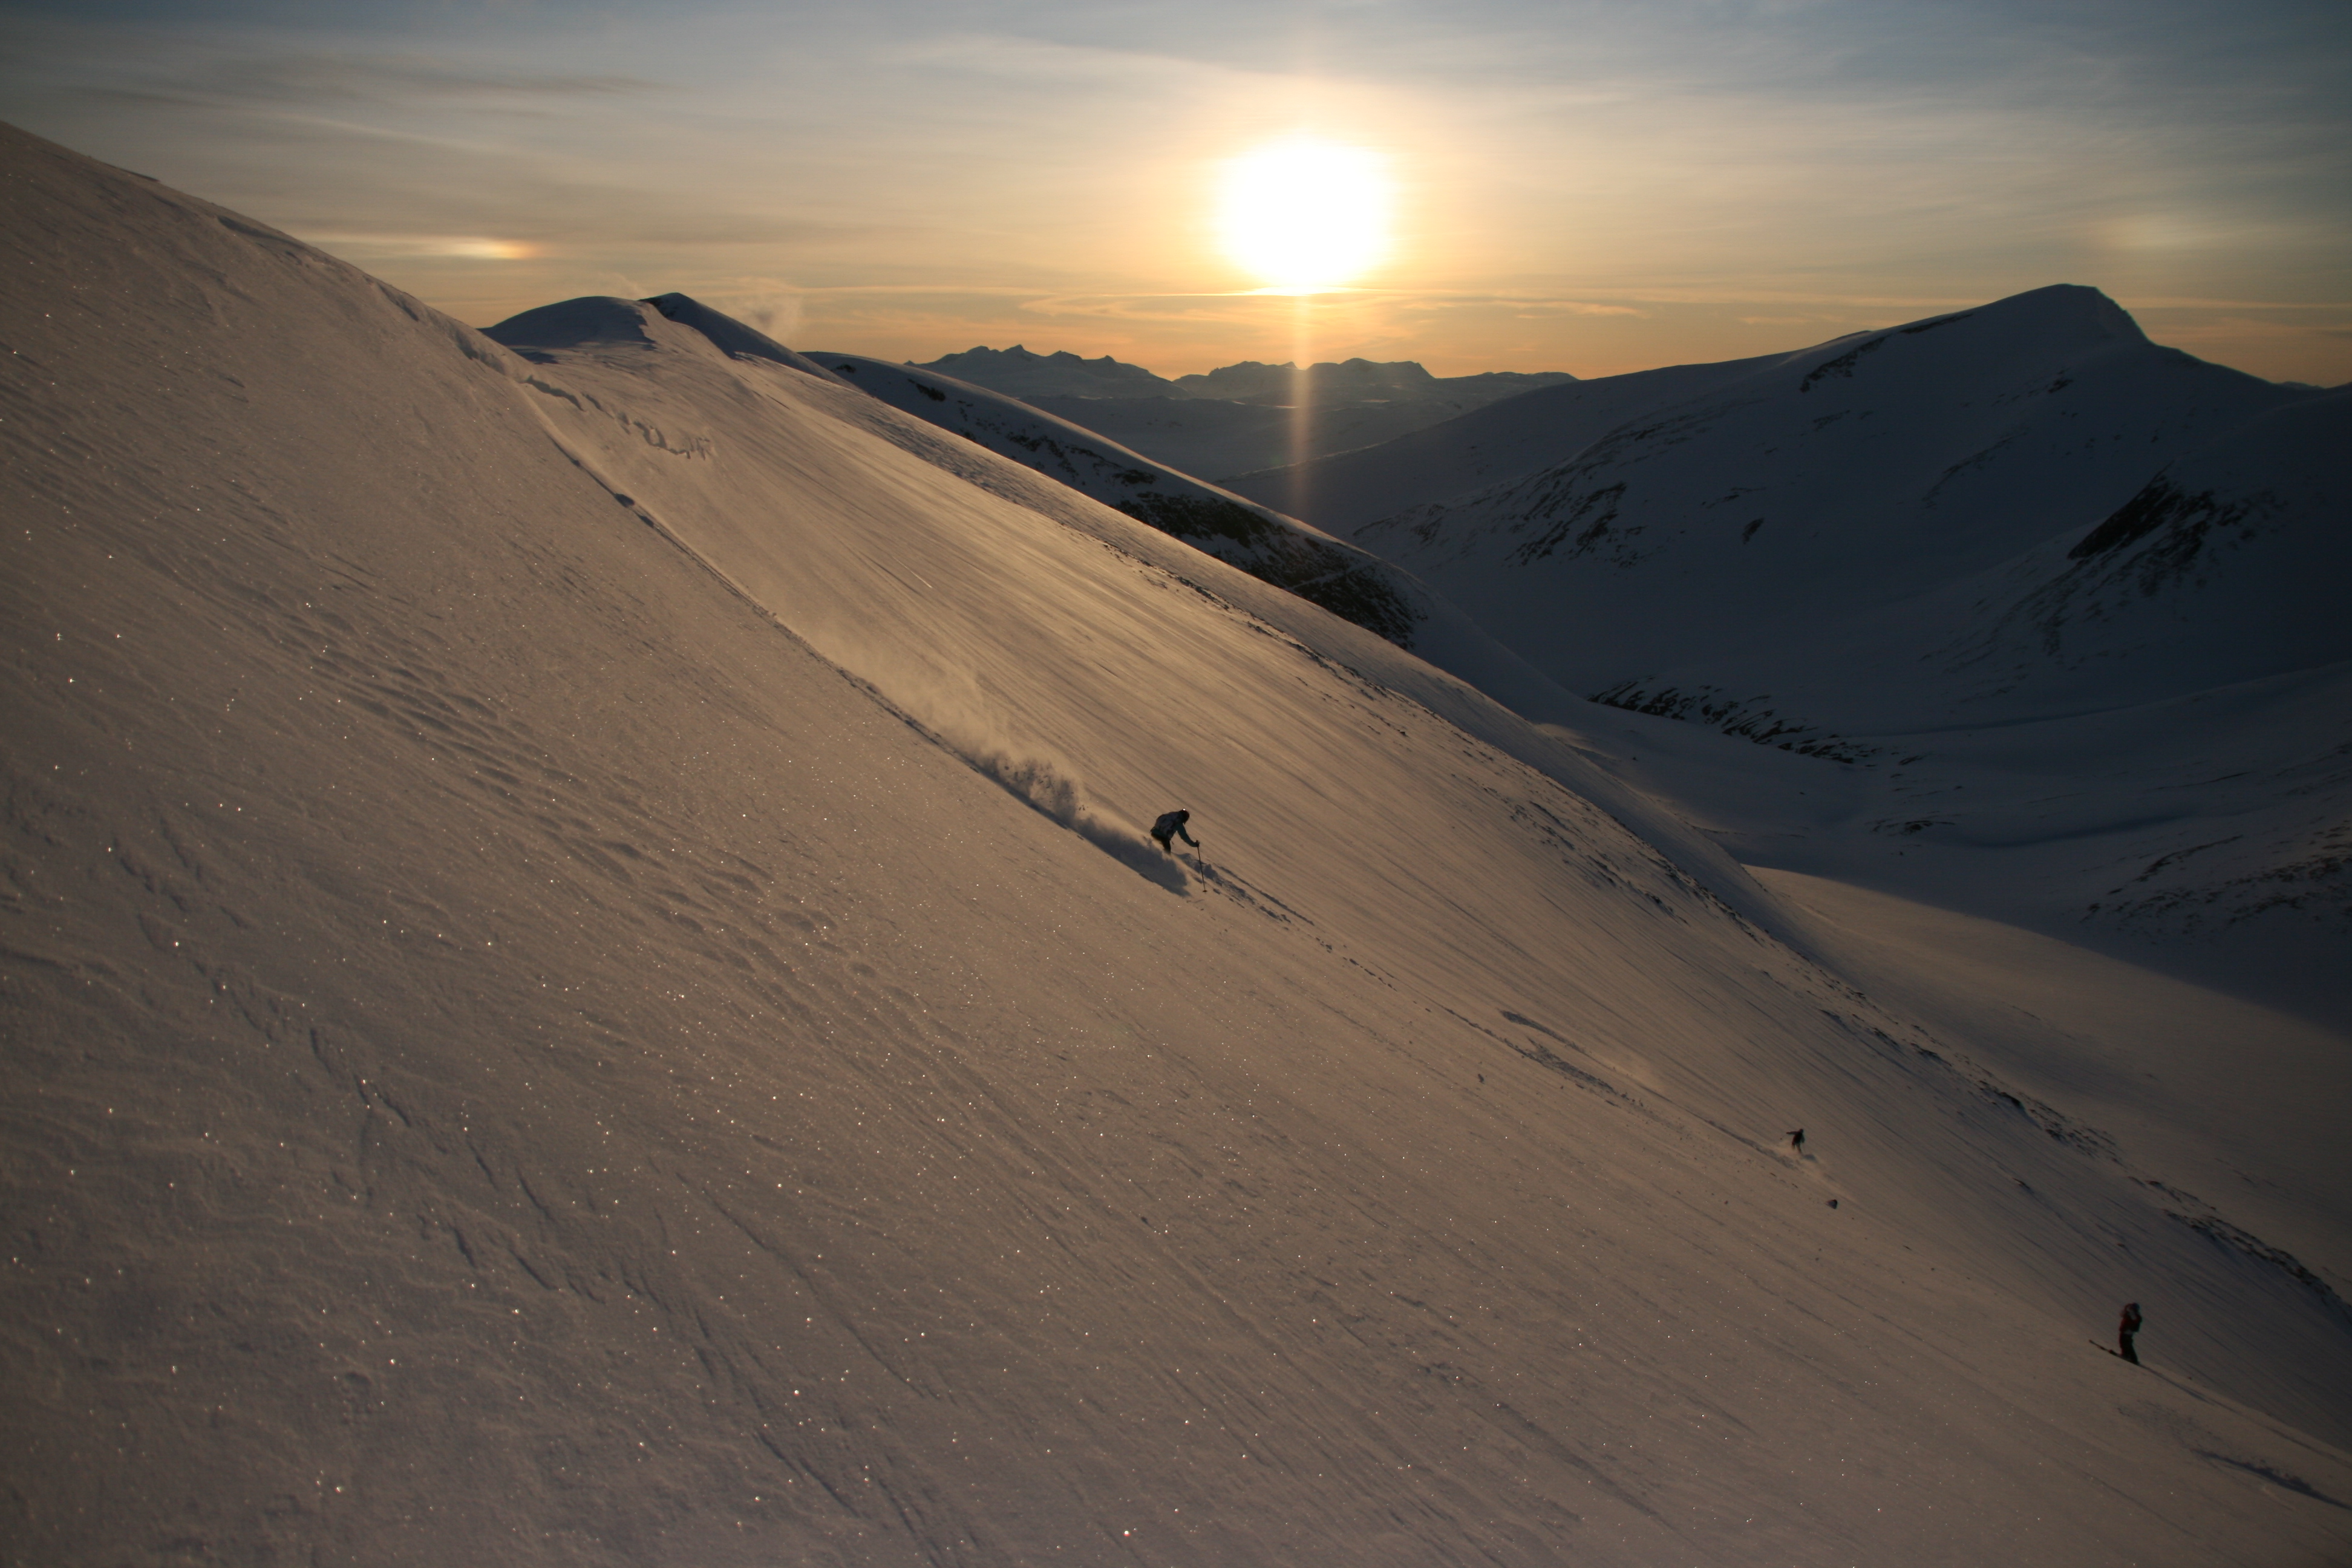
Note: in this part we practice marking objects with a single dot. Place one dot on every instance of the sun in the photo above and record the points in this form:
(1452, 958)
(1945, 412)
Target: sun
(1306, 216)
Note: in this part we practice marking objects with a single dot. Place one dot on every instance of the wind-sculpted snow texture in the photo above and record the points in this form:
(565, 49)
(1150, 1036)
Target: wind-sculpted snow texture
(565, 1000)
(1967, 556)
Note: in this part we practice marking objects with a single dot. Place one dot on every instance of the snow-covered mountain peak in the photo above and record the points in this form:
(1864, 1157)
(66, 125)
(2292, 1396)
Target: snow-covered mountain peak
(1994, 354)
(1763, 502)
(730, 335)
(2057, 320)
(678, 323)
(1969, 365)
(2062, 315)
(595, 321)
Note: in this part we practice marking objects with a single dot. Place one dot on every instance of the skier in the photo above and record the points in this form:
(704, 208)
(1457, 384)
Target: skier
(1797, 1141)
(2124, 1330)
(1171, 826)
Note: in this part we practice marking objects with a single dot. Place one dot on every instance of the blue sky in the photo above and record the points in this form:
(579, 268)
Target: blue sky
(1590, 187)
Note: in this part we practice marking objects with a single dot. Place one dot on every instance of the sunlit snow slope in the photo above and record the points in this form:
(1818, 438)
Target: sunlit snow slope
(579, 987)
(1345, 580)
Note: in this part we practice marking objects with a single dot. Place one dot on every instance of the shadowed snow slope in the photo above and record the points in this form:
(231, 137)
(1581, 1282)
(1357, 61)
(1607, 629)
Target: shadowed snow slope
(1486, 446)
(2056, 611)
(580, 986)
(1822, 503)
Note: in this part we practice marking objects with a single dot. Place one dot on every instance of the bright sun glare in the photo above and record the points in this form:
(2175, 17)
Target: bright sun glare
(1306, 216)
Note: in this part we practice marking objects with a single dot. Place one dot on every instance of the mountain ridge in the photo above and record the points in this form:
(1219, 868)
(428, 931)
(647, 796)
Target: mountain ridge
(1019, 373)
(1236, 417)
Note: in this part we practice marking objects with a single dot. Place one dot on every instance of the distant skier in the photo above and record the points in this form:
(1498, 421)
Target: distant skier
(1797, 1141)
(1171, 826)
(2125, 1330)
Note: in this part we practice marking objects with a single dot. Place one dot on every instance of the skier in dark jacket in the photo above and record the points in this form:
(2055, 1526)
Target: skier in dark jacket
(1171, 826)
(2124, 1330)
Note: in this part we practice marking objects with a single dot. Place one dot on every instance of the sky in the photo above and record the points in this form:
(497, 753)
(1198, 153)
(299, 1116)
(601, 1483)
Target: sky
(1592, 187)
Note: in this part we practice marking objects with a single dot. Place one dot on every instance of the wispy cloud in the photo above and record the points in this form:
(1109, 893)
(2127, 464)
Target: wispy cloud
(392, 80)
(363, 248)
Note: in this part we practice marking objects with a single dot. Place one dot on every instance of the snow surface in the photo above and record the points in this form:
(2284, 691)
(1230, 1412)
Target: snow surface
(2053, 608)
(1503, 440)
(1348, 581)
(580, 987)
(1832, 500)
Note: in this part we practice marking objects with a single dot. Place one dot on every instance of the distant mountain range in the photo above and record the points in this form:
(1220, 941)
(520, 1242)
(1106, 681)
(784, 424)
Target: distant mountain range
(1237, 417)
(1017, 371)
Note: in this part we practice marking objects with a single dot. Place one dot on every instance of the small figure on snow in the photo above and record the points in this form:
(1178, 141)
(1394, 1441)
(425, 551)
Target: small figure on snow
(1797, 1141)
(2124, 1330)
(1171, 826)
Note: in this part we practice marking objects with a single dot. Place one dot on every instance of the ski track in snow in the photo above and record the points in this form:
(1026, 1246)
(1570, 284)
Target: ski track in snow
(565, 1001)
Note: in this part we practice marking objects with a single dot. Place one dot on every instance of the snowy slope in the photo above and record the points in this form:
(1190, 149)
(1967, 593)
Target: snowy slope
(1216, 437)
(730, 336)
(1770, 517)
(578, 990)
(1364, 482)
(2052, 604)
(2228, 565)
(1343, 579)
